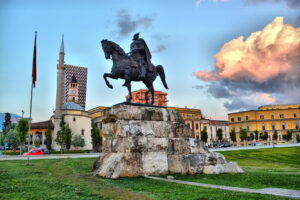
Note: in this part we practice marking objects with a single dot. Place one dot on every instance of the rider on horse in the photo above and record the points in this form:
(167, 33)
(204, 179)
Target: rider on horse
(139, 51)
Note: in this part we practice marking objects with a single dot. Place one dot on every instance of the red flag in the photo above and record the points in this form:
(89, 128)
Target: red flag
(34, 63)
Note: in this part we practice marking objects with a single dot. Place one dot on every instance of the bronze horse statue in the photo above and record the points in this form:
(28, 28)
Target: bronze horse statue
(125, 67)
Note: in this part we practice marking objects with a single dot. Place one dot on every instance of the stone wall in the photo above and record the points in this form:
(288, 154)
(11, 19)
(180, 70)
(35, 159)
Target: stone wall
(141, 140)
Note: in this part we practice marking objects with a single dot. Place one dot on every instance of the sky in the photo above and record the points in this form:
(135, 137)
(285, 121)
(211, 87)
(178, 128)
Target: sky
(219, 56)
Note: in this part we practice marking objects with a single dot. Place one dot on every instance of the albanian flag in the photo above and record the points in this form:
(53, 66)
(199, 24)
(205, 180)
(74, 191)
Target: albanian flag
(34, 63)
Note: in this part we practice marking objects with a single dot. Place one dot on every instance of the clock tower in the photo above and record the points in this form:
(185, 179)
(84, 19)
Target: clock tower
(73, 90)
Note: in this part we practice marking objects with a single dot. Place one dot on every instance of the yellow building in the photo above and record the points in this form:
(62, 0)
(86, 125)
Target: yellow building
(268, 118)
(190, 116)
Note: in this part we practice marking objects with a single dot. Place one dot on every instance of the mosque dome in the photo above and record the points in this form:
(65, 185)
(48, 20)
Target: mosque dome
(71, 106)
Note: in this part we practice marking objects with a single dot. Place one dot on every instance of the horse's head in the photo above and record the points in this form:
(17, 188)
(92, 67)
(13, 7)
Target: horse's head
(107, 48)
(110, 47)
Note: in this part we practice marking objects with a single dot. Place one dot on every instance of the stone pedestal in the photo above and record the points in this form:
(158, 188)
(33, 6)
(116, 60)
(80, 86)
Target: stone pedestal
(141, 140)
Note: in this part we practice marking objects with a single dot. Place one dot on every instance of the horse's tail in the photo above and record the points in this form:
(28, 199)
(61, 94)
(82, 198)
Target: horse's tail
(161, 73)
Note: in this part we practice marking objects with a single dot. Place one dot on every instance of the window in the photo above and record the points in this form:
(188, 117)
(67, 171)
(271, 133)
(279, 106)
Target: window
(241, 127)
(73, 98)
(233, 128)
(197, 126)
(248, 127)
(232, 119)
(273, 127)
(239, 119)
(296, 125)
(272, 116)
(247, 118)
(82, 131)
(263, 127)
(261, 117)
(283, 126)
(74, 119)
(281, 116)
(295, 115)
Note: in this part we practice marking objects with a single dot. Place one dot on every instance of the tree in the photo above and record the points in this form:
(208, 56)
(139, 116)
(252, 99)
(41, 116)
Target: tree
(289, 135)
(243, 134)
(2, 139)
(256, 135)
(204, 135)
(37, 142)
(78, 141)
(275, 135)
(95, 135)
(233, 135)
(22, 130)
(265, 136)
(60, 135)
(49, 136)
(251, 136)
(220, 134)
(7, 121)
(68, 137)
(12, 139)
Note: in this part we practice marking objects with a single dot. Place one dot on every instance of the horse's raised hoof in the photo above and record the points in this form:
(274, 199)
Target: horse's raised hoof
(110, 86)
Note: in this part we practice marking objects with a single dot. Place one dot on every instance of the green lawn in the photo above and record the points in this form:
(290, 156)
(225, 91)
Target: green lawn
(264, 168)
(71, 179)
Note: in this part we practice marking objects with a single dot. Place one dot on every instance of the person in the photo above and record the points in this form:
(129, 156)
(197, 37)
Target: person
(140, 53)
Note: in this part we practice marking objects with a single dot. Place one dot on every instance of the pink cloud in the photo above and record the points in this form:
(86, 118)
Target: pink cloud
(262, 56)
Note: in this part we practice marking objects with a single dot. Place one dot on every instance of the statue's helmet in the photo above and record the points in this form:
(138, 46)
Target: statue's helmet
(136, 36)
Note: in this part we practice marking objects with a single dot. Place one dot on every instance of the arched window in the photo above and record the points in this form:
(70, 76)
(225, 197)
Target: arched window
(263, 127)
(273, 126)
(248, 127)
(283, 126)
(296, 125)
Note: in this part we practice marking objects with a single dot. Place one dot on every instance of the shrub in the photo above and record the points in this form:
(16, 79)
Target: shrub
(204, 135)
(78, 141)
(37, 142)
(233, 135)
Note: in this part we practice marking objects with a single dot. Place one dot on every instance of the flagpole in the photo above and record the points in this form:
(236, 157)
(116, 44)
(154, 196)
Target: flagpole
(32, 85)
(30, 122)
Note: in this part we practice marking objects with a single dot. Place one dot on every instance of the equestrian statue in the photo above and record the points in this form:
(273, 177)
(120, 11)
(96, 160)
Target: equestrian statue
(133, 66)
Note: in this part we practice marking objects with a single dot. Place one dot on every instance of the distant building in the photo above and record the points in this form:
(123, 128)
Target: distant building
(160, 98)
(70, 101)
(79, 77)
(269, 118)
(39, 130)
(212, 126)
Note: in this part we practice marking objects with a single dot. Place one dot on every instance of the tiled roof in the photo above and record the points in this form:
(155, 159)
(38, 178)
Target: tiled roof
(71, 106)
(42, 125)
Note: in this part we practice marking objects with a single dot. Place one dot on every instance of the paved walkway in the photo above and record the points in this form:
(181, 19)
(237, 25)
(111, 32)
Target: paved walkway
(53, 156)
(255, 147)
(271, 191)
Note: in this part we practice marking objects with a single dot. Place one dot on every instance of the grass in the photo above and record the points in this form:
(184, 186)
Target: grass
(264, 168)
(71, 179)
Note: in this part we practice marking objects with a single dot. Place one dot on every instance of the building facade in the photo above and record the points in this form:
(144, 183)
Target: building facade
(211, 127)
(160, 98)
(39, 130)
(281, 118)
